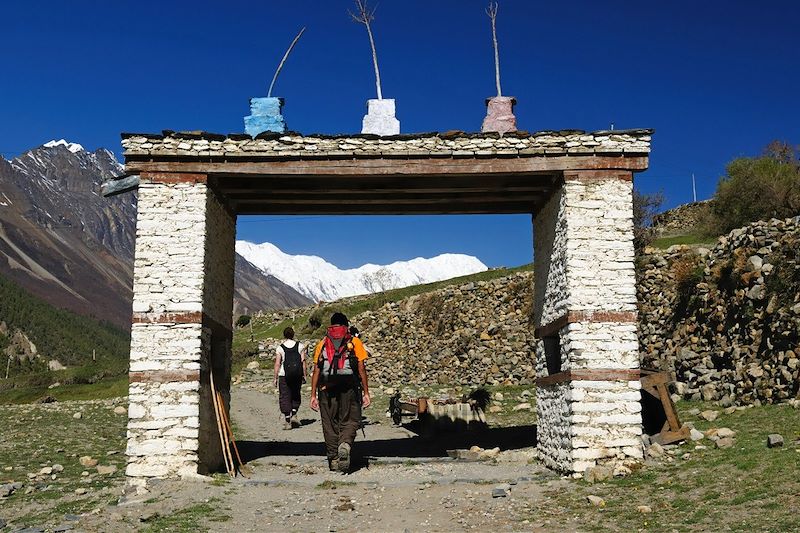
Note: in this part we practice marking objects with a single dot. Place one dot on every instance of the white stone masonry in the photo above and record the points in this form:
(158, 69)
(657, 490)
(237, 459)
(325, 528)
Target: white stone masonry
(585, 297)
(183, 283)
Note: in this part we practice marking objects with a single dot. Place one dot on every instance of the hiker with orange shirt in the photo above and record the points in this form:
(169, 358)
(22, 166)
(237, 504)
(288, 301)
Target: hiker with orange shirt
(339, 390)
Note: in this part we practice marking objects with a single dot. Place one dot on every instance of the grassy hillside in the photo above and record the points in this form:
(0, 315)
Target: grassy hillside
(311, 322)
(57, 334)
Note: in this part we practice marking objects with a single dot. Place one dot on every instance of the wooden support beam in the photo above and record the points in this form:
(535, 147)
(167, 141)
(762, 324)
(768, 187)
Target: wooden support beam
(384, 199)
(392, 167)
(266, 191)
(119, 186)
(267, 208)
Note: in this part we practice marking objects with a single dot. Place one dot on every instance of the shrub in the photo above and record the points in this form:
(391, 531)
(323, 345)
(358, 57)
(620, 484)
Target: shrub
(645, 206)
(243, 320)
(758, 188)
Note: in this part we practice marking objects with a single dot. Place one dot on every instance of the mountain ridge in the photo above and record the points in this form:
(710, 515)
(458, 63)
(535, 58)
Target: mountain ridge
(320, 280)
(62, 241)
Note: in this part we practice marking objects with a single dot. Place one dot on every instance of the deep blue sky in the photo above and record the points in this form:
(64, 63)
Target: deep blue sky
(716, 80)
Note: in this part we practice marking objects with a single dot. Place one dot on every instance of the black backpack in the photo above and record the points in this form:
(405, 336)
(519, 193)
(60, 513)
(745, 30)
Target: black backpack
(292, 365)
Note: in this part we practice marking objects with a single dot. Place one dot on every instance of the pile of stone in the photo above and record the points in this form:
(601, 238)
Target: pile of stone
(476, 333)
(726, 320)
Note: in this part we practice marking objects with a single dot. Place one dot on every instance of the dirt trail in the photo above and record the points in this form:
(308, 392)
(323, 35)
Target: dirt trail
(403, 482)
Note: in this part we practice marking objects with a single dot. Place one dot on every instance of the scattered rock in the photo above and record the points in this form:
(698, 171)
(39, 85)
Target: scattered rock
(495, 408)
(774, 440)
(87, 461)
(644, 509)
(345, 506)
(46, 471)
(498, 396)
(57, 468)
(2, 523)
(597, 501)
(696, 435)
(729, 410)
(594, 474)
(621, 471)
(726, 442)
(501, 491)
(709, 415)
(78, 415)
(522, 407)
(62, 528)
(9, 488)
(655, 450)
(725, 432)
(80, 491)
(490, 453)
(253, 365)
(105, 470)
(120, 410)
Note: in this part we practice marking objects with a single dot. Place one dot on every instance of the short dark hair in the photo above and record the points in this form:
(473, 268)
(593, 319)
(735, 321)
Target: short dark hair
(339, 319)
(288, 333)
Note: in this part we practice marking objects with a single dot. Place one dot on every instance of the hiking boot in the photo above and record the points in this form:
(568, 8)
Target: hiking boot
(287, 425)
(333, 465)
(344, 457)
(294, 421)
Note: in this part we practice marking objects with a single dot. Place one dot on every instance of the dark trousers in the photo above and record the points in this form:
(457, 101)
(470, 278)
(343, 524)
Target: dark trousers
(289, 395)
(340, 412)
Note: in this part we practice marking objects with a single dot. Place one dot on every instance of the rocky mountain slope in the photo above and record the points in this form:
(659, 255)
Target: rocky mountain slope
(58, 238)
(319, 280)
(62, 241)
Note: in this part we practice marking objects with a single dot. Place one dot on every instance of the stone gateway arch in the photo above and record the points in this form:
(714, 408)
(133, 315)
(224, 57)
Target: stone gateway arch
(576, 185)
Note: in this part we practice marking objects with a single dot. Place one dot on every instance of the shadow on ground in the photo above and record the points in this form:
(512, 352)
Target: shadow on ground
(419, 446)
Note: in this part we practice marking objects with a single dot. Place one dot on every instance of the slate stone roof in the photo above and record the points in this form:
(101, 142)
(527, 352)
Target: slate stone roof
(448, 144)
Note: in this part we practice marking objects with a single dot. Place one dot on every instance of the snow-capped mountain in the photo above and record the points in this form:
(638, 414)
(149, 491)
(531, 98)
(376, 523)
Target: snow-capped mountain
(319, 280)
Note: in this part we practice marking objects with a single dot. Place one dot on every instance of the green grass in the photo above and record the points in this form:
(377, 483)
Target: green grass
(189, 519)
(39, 435)
(692, 238)
(333, 485)
(109, 388)
(744, 488)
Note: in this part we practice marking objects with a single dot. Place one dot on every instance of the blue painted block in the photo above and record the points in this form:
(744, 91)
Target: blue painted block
(265, 115)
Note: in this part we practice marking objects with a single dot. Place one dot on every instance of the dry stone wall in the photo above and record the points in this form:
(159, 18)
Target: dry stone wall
(726, 320)
(478, 332)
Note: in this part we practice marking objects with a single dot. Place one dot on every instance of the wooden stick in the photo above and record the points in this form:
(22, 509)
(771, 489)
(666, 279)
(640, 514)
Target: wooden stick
(219, 423)
(221, 405)
(492, 12)
(364, 17)
(228, 426)
(275, 77)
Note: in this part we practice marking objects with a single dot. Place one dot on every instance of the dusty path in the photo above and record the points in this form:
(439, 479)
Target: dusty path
(403, 482)
(407, 483)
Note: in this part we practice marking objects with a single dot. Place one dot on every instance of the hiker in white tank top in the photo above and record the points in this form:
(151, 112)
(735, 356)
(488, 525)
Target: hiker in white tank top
(289, 386)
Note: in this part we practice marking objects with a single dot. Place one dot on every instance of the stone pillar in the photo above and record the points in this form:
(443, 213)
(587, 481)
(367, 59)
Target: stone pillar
(585, 315)
(182, 307)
